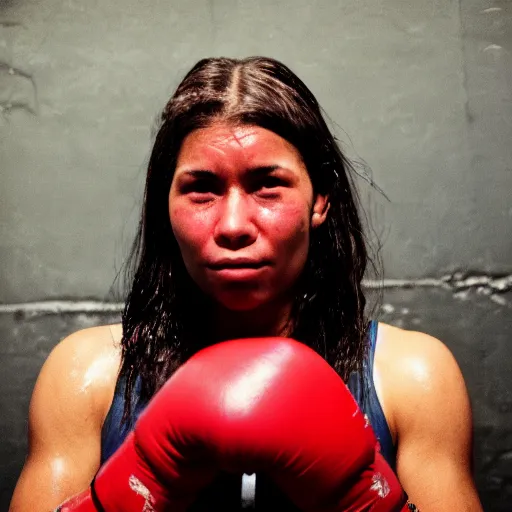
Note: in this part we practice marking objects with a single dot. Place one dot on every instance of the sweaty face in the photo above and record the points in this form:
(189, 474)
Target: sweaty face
(241, 205)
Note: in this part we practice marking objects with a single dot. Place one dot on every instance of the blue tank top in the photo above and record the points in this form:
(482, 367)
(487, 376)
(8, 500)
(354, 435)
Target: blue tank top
(113, 432)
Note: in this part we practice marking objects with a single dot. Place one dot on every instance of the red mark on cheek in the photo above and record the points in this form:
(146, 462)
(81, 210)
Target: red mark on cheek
(287, 219)
(190, 223)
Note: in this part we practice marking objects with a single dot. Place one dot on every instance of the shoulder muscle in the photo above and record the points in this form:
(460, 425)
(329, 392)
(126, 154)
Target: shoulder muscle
(432, 417)
(65, 418)
(428, 386)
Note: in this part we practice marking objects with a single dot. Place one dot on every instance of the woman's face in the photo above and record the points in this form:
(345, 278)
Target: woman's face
(241, 205)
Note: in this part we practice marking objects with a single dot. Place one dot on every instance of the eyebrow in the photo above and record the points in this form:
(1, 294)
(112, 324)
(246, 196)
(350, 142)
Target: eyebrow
(255, 171)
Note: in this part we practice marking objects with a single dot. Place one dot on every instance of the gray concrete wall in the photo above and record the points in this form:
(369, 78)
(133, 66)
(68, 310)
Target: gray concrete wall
(421, 90)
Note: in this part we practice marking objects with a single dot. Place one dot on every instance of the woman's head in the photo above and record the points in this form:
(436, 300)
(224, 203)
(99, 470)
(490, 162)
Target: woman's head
(241, 206)
(235, 133)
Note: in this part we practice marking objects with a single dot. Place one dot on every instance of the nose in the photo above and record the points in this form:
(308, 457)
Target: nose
(235, 228)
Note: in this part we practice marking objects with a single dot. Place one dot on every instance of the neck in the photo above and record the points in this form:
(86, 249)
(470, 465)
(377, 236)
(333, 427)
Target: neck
(266, 320)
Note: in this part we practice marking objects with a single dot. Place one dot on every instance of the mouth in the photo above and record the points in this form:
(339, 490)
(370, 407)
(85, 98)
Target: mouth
(238, 264)
(239, 270)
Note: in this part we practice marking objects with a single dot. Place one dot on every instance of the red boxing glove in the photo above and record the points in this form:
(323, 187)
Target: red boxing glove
(267, 405)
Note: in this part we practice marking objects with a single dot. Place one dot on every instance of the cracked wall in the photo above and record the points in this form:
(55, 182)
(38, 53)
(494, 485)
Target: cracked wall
(418, 92)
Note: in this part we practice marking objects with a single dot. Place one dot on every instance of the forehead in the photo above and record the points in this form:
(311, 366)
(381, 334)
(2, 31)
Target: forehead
(240, 142)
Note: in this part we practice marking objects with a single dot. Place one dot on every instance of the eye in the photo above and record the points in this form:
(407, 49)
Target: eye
(201, 186)
(269, 187)
(271, 182)
(200, 190)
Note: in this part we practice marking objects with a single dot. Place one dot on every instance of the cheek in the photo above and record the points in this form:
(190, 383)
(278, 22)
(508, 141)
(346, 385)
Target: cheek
(288, 227)
(190, 228)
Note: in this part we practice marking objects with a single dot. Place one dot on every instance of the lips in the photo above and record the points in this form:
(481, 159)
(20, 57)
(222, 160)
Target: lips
(238, 263)
(239, 270)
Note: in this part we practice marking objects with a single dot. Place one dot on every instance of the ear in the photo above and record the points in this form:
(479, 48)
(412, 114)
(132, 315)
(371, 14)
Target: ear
(319, 211)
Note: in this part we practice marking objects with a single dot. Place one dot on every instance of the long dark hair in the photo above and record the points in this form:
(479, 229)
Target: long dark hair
(165, 317)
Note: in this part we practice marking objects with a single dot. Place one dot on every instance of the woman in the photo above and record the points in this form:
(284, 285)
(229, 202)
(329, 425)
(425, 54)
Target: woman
(249, 228)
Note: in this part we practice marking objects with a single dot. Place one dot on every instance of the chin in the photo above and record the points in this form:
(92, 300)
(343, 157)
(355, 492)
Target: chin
(242, 302)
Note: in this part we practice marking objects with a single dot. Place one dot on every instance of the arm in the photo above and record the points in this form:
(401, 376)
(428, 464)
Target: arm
(64, 425)
(434, 427)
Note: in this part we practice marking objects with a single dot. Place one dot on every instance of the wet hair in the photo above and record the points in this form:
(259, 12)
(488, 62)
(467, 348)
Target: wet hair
(160, 320)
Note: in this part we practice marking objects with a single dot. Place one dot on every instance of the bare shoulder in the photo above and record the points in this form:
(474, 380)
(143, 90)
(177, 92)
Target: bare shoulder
(85, 363)
(419, 379)
(70, 400)
(413, 354)
(427, 407)
(91, 345)
(89, 349)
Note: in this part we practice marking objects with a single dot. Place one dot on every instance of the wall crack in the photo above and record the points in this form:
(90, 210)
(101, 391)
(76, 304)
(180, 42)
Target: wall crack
(493, 286)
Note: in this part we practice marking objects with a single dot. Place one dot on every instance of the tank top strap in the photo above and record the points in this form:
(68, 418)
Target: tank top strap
(363, 390)
(114, 431)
